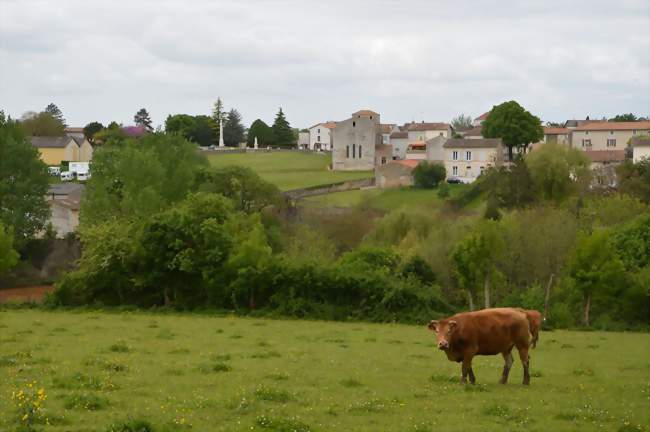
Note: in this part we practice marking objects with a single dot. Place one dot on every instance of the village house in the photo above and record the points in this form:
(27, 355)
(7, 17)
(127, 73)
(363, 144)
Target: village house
(54, 150)
(386, 130)
(320, 136)
(354, 142)
(399, 142)
(303, 140)
(75, 132)
(640, 149)
(64, 200)
(604, 135)
(420, 133)
(398, 173)
(466, 159)
(435, 150)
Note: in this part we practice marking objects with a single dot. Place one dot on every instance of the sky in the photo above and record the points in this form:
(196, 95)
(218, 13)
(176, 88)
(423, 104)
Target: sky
(409, 60)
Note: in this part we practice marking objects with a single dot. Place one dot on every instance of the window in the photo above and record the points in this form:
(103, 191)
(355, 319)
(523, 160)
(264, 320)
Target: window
(586, 143)
(347, 152)
(319, 131)
(468, 155)
(468, 171)
(586, 132)
(633, 131)
(383, 160)
(440, 133)
(318, 138)
(359, 151)
(454, 170)
(454, 155)
(611, 132)
(354, 151)
(611, 142)
(354, 124)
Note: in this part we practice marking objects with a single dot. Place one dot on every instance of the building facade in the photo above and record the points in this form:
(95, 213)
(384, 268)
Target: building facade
(399, 141)
(395, 174)
(354, 141)
(604, 135)
(54, 150)
(320, 136)
(640, 149)
(466, 159)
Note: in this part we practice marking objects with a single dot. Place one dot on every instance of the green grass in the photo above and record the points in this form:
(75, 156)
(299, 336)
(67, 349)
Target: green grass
(384, 199)
(204, 378)
(289, 169)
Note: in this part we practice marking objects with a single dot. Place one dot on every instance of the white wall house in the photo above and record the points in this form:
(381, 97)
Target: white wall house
(466, 159)
(422, 132)
(320, 136)
(640, 150)
(604, 135)
(399, 141)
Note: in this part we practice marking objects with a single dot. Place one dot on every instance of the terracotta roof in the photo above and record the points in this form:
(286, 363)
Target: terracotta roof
(399, 135)
(411, 163)
(606, 155)
(556, 131)
(365, 112)
(606, 126)
(51, 142)
(476, 131)
(483, 116)
(328, 124)
(472, 143)
(386, 127)
(427, 126)
(640, 142)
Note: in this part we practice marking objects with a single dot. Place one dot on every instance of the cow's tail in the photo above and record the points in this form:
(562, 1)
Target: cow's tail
(533, 334)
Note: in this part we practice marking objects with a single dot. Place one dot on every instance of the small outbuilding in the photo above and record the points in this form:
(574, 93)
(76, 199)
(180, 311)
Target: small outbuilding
(397, 173)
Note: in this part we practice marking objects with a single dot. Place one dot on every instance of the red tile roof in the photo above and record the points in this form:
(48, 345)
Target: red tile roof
(427, 126)
(607, 125)
(556, 131)
(386, 127)
(606, 155)
(396, 135)
(365, 112)
(411, 163)
(483, 116)
(476, 131)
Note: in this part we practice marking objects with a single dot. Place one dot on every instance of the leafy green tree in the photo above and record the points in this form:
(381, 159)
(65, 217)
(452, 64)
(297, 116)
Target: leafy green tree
(625, 118)
(218, 113)
(263, 132)
(8, 256)
(594, 268)
(202, 134)
(23, 184)
(282, 132)
(112, 133)
(558, 171)
(634, 179)
(233, 129)
(41, 124)
(134, 179)
(142, 118)
(55, 112)
(428, 175)
(462, 122)
(91, 129)
(182, 124)
(516, 127)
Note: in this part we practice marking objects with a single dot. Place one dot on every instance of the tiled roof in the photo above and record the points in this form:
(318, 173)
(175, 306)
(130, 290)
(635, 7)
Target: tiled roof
(606, 155)
(606, 125)
(427, 126)
(483, 116)
(328, 124)
(396, 135)
(74, 129)
(411, 163)
(556, 131)
(476, 131)
(51, 142)
(365, 112)
(473, 143)
(386, 127)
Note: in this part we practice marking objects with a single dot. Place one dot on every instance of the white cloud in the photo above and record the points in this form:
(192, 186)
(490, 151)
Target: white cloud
(322, 60)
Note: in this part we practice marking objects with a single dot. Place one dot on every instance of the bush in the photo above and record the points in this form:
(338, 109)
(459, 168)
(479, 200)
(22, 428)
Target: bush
(427, 175)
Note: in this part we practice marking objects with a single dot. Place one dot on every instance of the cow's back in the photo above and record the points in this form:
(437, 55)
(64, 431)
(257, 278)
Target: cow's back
(493, 331)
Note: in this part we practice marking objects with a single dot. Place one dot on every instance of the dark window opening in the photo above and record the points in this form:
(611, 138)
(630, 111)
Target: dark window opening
(354, 151)
(354, 124)
(359, 152)
(347, 152)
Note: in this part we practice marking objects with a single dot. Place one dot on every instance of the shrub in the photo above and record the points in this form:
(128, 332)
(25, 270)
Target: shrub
(427, 175)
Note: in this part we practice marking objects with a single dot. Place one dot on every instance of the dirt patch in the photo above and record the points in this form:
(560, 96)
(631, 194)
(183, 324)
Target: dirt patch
(26, 294)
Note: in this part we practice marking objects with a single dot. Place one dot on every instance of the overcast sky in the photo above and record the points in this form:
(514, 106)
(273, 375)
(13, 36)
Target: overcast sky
(322, 60)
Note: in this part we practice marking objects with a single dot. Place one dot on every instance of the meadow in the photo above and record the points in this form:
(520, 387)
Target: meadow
(196, 372)
(289, 169)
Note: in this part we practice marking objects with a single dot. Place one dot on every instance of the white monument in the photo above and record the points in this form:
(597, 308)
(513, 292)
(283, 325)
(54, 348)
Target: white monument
(221, 144)
(255, 145)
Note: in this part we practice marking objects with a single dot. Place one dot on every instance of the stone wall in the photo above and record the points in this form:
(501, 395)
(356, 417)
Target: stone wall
(329, 188)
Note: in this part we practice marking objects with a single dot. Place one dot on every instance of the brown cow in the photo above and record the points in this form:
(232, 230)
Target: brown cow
(535, 320)
(484, 332)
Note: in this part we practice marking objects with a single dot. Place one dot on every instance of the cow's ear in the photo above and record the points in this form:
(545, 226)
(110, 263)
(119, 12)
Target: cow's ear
(452, 325)
(433, 326)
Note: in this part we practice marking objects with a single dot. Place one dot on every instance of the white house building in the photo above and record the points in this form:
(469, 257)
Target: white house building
(466, 159)
(320, 136)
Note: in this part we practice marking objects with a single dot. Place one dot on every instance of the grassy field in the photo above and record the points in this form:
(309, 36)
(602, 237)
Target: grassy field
(289, 169)
(206, 373)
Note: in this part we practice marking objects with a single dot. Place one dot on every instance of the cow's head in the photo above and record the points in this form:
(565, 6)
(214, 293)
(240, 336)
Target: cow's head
(444, 330)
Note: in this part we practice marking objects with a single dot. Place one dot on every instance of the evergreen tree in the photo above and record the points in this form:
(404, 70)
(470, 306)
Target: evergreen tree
(142, 118)
(55, 112)
(217, 114)
(262, 131)
(282, 131)
(233, 129)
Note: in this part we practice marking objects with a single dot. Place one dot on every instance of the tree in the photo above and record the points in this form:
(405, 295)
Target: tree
(462, 122)
(202, 134)
(514, 125)
(55, 112)
(427, 175)
(558, 171)
(262, 131)
(142, 118)
(41, 124)
(594, 268)
(23, 184)
(91, 129)
(8, 256)
(113, 133)
(182, 124)
(634, 179)
(282, 131)
(233, 130)
(218, 114)
(625, 118)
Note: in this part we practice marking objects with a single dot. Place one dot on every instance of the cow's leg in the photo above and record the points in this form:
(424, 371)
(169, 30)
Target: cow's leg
(507, 356)
(467, 370)
(523, 355)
